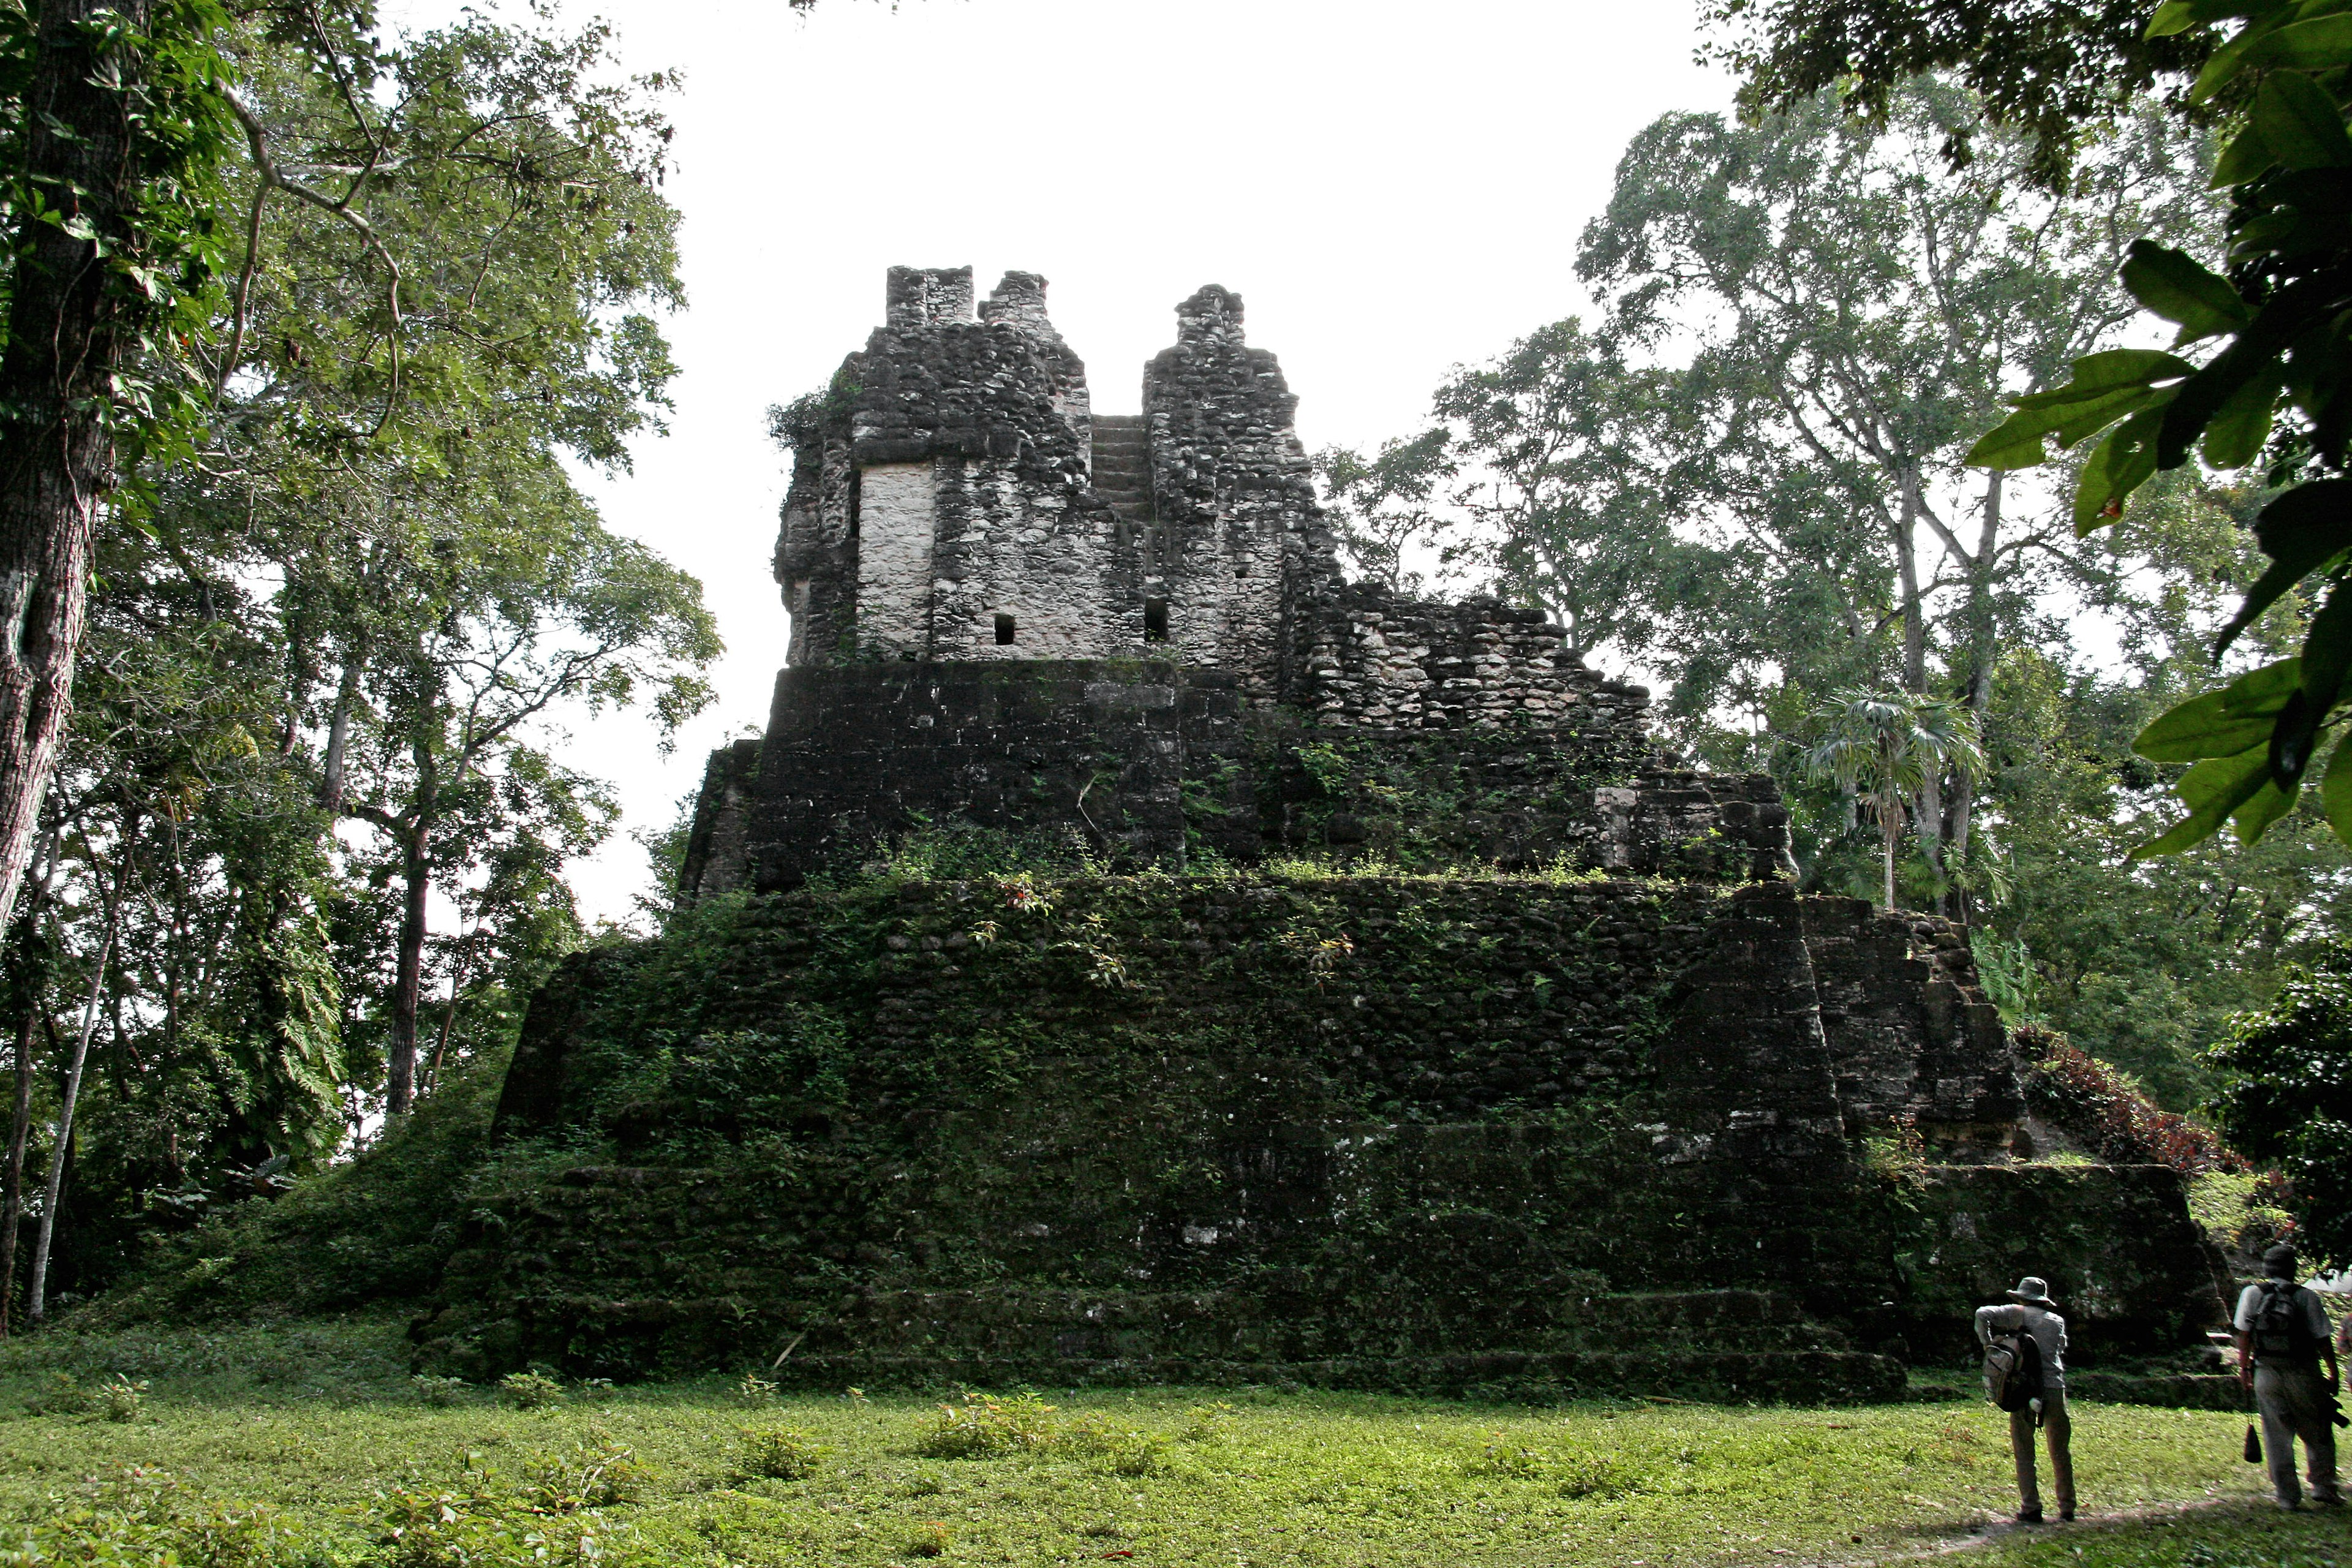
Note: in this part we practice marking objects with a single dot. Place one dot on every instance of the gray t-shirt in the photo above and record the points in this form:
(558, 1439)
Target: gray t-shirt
(2049, 1331)
(2307, 1305)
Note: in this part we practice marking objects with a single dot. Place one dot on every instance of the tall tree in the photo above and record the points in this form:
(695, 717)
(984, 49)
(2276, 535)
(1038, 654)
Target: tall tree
(1858, 303)
(108, 142)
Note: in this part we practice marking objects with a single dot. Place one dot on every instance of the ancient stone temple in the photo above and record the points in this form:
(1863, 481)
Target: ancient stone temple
(1133, 952)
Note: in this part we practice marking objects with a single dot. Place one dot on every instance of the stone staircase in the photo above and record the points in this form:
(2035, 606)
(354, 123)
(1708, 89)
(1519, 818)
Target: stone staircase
(1123, 466)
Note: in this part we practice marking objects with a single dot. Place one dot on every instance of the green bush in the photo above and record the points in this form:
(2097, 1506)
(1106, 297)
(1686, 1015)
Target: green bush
(984, 1427)
(780, 1454)
(530, 1390)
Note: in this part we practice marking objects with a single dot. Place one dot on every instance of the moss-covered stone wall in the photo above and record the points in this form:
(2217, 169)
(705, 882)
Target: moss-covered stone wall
(1162, 1126)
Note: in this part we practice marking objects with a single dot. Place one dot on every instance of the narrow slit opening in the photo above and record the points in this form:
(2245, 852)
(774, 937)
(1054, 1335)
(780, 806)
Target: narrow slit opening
(1005, 631)
(1155, 620)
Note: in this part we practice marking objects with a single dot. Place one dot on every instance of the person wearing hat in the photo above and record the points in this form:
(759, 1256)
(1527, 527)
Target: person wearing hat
(2029, 1308)
(2283, 1342)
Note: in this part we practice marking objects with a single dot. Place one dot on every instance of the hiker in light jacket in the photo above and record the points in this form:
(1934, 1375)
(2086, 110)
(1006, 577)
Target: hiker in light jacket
(2280, 1353)
(2029, 1308)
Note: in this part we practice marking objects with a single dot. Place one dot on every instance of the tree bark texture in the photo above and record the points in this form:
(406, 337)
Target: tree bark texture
(71, 325)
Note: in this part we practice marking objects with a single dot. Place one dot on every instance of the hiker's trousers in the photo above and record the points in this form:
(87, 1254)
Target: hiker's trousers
(2295, 1404)
(2058, 1431)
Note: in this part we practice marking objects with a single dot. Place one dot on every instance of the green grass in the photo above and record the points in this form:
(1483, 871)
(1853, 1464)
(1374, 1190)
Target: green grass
(306, 1445)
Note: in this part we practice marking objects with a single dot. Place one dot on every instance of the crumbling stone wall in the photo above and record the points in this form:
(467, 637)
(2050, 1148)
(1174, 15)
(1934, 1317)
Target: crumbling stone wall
(1912, 1037)
(1097, 757)
(718, 844)
(1375, 660)
(1241, 548)
(940, 506)
(1149, 763)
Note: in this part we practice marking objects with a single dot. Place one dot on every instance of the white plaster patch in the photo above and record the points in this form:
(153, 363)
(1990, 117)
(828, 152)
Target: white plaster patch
(897, 514)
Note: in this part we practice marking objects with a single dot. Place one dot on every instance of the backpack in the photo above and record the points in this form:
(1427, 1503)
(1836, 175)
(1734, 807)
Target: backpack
(2013, 1369)
(2280, 1335)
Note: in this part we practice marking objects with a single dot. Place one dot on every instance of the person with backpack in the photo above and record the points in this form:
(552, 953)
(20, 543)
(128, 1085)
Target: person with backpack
(2025, 1375)
(2283, 1341)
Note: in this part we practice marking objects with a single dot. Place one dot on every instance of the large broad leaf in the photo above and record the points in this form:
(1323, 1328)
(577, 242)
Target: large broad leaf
(2323, 42)
(2300, 123)
(2327, 651)
(2179, 15)
(2017, 441)
(2336, 792)
(2301, 532)
(2244, 159)
(2252, 355)
(2096, 376)
(2231, 59)
(2212, 791)
(2178, 288)
(2236, 718)
(2120, 466)
(2235, 436)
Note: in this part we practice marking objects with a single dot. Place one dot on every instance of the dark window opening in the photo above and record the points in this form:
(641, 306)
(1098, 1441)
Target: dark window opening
(856, 500)
(1005, 631)
(1155, 620)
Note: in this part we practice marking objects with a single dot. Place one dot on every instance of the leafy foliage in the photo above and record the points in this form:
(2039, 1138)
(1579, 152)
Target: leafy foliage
(2105, 1112)
(2288, 1097)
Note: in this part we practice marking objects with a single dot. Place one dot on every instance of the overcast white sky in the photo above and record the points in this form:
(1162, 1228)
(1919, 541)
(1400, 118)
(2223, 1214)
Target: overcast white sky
(1394, 189)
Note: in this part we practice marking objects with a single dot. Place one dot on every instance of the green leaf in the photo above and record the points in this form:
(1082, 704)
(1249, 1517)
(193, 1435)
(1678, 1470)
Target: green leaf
(2301, 532)
(2212, 791)
(2236, 435)
(2326, 655)
(2179, 15)
(2123, 462)
(2336, 792)
(2178, 288)
(2101, 375)
(2300, 123)
(2268, 803)
(2016, 441)
(2238, 718)
(2323, 42)
(2245, 158)
(2231, 59)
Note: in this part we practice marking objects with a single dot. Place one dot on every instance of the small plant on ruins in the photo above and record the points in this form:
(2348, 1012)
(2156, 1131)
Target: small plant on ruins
(982, 1426)
(755, 1393)
(930, 1540)
(780, 1454)
(439, 1392)
(1899, 1153)
(1023, 896)
(530, 1390)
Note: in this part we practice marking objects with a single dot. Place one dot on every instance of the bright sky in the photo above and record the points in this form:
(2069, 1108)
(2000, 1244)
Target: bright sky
(1393, 188)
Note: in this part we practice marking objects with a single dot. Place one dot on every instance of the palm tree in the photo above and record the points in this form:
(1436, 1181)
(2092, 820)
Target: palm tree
(1885, 745)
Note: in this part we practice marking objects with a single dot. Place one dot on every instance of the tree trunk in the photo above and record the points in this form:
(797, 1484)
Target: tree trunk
(12, 1200)
(71, 321)
(1983, 653)
(408, 977)
(53, 1191)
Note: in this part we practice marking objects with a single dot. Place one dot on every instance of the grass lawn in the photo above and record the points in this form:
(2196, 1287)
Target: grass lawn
(305, 1444)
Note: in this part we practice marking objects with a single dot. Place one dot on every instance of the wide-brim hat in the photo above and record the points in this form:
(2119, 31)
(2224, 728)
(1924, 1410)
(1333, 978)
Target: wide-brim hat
(2033, 1292)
